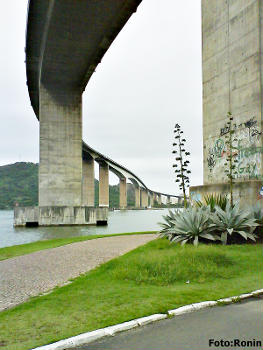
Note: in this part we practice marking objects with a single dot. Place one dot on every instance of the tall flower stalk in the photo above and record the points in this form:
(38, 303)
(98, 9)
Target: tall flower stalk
(230, 163)
(182, 163)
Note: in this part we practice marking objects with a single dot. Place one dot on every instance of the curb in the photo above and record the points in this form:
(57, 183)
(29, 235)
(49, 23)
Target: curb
(89, 337)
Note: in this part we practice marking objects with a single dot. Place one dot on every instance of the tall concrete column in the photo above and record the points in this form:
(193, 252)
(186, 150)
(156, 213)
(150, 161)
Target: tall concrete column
(88, 188)
(60, 148)
(103, 185)
(123, 193)
(144, 198)
(137, 196)
(232, 49)
(154, 198)
(151, 200)
(168, 200)
(159, 199)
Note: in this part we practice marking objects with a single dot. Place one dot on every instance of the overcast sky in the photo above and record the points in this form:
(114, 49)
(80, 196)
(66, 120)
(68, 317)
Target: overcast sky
(149, 80)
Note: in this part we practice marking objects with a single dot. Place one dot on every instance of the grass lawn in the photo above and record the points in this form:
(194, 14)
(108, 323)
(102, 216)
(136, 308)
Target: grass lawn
(17, 250)
(148, 280)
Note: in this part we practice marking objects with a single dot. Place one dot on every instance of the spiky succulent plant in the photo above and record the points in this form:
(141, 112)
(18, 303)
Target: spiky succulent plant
(257, 211)
(188, 225)
(234, 221)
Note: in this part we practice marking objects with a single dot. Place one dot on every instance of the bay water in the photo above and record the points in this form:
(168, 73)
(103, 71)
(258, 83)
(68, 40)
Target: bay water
(120, 221)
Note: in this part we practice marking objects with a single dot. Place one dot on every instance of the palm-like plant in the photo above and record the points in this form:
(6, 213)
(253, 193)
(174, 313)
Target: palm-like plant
(188, 225)
(233, 220)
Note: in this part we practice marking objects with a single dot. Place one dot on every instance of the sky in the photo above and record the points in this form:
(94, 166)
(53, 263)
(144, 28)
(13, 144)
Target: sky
(149, 80)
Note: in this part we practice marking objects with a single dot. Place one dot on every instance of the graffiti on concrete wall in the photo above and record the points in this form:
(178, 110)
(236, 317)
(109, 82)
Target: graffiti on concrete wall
(247, 151)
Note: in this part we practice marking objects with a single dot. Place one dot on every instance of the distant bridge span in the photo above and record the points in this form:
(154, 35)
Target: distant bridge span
(65, 41)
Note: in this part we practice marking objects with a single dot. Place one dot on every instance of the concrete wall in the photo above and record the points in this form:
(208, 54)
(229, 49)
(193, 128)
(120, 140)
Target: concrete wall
(247, 192)
(232, 82)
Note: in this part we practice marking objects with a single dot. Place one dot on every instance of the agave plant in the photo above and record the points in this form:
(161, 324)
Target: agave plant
(213, 200)
(233, 220)
(188, 225)
(257, 212)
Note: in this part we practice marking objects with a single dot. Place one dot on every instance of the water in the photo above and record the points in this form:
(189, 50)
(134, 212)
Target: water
(119, 221)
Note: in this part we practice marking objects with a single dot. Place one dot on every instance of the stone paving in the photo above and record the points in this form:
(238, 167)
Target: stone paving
(36, 273)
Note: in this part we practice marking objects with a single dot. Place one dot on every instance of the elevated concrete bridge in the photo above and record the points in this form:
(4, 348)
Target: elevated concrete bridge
(65, 41)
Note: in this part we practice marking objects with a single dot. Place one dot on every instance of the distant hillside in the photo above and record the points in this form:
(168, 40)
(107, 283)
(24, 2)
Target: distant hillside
(19, 183)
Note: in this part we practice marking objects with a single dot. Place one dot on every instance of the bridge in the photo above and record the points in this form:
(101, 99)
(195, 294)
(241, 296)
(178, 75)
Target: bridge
(65, 41)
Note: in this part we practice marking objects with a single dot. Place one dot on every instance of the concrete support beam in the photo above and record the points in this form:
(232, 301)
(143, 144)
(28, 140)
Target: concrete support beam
(60, 163)
(159, 196)
(168, 200)
(137, 192)
(103, 185)
(88, 188)
(123, 193)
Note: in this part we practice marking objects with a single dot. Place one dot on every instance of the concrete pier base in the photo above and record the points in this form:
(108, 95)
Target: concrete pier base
(59, 216)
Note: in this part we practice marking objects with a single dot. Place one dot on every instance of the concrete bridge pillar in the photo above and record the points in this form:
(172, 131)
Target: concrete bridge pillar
(154, 198)
(137, 192)
(103, 185)
(123, 193)
(168, 200)
(88, 188)
(60, 148)
(159, 196)
(144, 198)
(151, 200)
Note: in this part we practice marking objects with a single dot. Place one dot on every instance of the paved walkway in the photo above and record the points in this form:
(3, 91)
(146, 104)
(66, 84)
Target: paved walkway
(30, 275)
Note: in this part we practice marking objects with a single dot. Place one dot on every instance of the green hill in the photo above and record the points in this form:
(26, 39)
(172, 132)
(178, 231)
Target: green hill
(19, 183)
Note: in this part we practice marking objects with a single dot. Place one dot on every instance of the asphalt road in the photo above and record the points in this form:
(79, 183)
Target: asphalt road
(235, 323)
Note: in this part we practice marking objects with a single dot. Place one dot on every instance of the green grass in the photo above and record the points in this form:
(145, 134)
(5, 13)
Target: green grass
(148, 280)
(17, 250)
